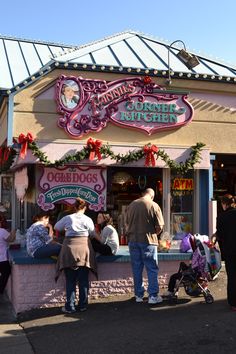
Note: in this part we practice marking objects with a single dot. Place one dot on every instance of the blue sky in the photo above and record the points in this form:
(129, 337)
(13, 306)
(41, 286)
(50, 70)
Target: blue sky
(207, 27)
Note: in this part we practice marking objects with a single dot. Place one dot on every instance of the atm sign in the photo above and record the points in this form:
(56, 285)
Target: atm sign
(182, 184)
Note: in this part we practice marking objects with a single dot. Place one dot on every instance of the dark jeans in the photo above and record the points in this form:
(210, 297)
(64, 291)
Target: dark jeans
(101, 248)
(74, 276)
(177, 276)
(172, 282)
(230, 267)
(51, 249)
(5, 271)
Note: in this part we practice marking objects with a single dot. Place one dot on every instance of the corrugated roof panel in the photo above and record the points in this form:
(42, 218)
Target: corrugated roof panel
(203, 69)
(22, 58)
(16, 61)
(162, 51)
(85, 59)
(221, 70)
(105, 57)
(56, 51)
(125, 55)
(44, 53)
(86, 49)
(151, 59)
(5, 77)
(31, 57)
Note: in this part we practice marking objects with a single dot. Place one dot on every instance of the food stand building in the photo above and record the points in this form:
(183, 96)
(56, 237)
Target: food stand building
(108, 119)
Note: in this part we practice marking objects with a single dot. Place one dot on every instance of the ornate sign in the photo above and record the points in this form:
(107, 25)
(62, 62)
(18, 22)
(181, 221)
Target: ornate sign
(68, 183)
(89, 105)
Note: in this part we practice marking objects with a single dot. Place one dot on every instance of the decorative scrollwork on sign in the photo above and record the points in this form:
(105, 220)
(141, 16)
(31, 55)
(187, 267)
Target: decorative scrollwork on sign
(88, 105)
(45, 206)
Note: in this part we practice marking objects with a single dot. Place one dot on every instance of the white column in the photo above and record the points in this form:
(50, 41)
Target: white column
(212, 215)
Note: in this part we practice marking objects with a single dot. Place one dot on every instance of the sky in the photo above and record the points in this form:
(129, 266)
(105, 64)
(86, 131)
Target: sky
(207, 27)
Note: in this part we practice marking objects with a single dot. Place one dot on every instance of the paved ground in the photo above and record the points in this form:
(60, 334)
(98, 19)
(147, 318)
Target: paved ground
(13, 339)
(119, 325)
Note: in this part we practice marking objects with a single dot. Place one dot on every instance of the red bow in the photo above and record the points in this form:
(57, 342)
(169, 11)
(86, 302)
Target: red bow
(24, 140)
(94, 147)
(149, 153)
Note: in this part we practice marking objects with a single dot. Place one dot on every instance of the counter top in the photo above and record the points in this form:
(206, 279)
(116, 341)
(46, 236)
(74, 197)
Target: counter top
(20, 256)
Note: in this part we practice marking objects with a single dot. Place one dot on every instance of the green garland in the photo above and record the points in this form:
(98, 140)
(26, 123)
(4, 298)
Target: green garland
(38, 153)
(131, 156)
(6, 162)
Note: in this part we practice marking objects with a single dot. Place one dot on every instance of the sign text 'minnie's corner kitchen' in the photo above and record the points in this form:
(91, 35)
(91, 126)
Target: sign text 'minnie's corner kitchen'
(89, 105)
(67, 183)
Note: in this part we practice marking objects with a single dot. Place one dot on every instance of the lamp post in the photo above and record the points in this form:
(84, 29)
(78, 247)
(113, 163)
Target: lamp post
(190, 60)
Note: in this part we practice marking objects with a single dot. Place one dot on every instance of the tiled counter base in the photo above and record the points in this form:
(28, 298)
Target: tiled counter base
(32, 283)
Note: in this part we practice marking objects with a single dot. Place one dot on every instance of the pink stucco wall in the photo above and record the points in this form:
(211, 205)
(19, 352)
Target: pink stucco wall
(33, 286)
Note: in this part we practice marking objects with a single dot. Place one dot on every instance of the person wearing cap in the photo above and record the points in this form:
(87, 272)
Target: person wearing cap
(226, 236)
(5, 238)
(69, 98)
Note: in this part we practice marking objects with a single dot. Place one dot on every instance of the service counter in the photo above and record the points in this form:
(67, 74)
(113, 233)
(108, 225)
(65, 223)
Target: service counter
(32, 283)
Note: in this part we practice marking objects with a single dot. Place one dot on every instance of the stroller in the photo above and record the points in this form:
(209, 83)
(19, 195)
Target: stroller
(205, 265)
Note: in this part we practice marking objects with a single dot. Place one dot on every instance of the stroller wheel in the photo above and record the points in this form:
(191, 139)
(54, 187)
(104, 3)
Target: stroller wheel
(209, 299)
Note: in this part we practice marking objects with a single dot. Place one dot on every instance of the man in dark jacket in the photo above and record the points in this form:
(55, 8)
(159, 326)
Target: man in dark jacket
(226, 235)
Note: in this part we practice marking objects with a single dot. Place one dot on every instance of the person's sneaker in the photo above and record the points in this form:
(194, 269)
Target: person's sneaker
(82, 309)
(168, 293)
(64, 310)
(138, 299)
(155, 300)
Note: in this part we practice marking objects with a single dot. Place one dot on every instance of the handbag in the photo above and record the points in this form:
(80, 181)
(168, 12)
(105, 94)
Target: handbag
(185, 244)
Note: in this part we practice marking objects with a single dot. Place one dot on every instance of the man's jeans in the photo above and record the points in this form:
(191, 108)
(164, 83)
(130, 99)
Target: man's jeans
(74, 276)
(144, 255)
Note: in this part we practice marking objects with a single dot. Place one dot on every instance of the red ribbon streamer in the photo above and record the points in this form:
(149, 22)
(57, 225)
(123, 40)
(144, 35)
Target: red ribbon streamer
(149, 153)
(1, 154)
(6, 154)
(24, 140)
(94, 147)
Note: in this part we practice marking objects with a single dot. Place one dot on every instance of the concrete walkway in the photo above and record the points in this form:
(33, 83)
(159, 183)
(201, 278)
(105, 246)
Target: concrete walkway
(12, 336)
(119, 325)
